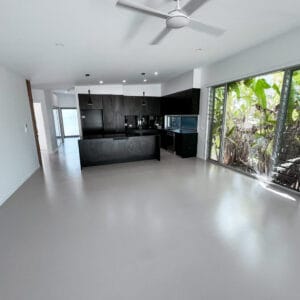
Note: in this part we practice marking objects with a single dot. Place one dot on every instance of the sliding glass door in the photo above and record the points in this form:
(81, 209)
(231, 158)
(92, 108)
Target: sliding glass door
(287, 170)
(57, 126)
(217, 122)
(255, 126)
(251, 116)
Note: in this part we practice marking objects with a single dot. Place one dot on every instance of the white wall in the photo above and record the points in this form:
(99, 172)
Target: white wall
(18, 156)
(182, 82)
(179, 83)
(64, 100)
(153, 90)
(185, 81)
(274, 54)
(46, 100)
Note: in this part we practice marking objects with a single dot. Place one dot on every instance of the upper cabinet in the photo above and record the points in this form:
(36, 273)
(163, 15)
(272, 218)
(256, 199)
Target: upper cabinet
(153, 106)
(96, 103)
(113, 112)
(181, 103)
(134, 105)
(116, 107)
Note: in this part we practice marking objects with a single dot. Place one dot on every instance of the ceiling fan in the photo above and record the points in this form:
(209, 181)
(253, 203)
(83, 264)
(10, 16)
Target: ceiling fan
(175, 19)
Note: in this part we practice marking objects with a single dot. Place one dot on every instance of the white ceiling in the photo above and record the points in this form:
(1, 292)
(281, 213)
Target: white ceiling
(112, 43)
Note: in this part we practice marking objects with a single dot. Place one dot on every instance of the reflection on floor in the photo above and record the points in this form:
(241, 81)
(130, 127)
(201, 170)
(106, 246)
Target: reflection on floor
(180, 229)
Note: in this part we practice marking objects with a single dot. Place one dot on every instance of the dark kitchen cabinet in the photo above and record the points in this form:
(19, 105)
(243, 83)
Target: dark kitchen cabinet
(132, 105)
(163, 138)
(153, 106)
(107, 150)
(115, 108)
(181, 103)
(92, 119)
(141, 106)
(97, 102)
(113, 112)
(186, 144)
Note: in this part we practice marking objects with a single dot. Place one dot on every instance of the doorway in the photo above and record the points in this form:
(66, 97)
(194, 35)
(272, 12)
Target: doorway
(70, 126)
(57, 125)
(40, 124)
(66, 123)
(30, 98)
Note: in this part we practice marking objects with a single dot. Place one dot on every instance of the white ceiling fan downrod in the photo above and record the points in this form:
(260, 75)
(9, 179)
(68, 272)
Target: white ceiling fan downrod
(177, 18)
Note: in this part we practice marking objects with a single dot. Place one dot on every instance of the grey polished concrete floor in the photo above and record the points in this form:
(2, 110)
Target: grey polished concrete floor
(179, 229)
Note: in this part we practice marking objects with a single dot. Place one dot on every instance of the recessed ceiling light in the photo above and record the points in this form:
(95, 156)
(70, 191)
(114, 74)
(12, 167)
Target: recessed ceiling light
(124, 81)
(101, 82)
(145, 80)
(155, 73)
(59, 44)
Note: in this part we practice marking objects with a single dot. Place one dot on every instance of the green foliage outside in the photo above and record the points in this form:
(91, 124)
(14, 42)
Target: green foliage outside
(293, 111)
(250, 124)
(251, 118)
(288, 169)
(217, 122)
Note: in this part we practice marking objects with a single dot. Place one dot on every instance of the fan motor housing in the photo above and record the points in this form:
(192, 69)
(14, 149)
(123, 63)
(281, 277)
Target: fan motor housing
(177, 19)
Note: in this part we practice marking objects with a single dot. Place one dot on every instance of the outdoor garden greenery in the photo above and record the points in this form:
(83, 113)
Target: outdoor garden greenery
(245, 122)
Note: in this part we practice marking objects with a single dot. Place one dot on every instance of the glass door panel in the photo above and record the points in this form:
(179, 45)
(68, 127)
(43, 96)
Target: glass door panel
(251, 116)
(287, 172)
(217, 122)
(70, 122)
(57, 126)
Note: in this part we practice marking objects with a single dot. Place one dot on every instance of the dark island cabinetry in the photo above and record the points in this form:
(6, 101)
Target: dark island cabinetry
(118, 149)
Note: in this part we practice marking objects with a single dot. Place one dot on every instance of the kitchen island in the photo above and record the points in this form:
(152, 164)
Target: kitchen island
(108, 148)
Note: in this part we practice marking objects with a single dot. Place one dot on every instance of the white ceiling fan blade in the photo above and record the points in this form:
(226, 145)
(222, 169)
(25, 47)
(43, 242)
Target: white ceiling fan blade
(161, 36)
(212, 30)
(192, 6)
(142, 8)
